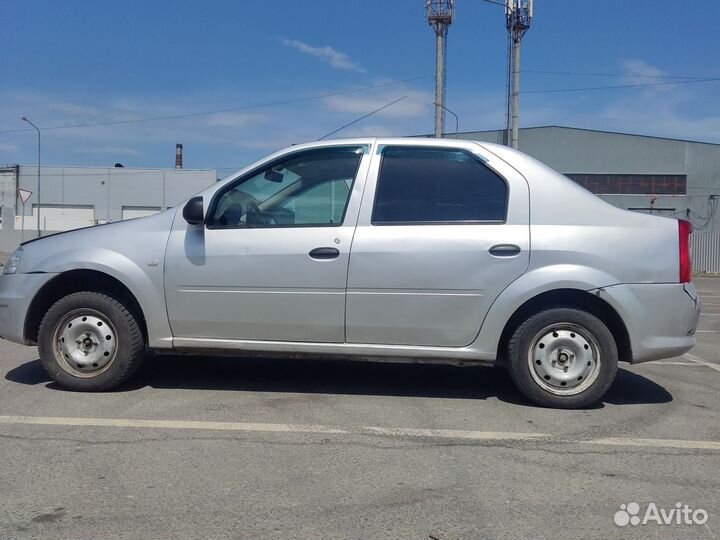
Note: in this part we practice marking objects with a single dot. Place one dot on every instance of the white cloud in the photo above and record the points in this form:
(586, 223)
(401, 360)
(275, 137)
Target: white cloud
(373, 130)
(9, 147)
(72, 109)
(233, 119)
(640, 72)
(665, 111)
(109, 150)
(660, 116)
(270, 143)
(76, 113)
(633, 66)
(238, 137)
(335, 58)
(416, 104)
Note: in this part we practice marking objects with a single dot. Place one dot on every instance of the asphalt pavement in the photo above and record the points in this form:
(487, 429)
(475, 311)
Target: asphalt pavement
(251, 448)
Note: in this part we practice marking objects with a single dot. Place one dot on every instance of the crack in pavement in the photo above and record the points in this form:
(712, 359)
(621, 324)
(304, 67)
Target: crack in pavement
(466, 436)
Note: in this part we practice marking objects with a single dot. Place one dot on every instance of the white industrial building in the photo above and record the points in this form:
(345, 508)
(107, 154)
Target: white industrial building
(72, 197)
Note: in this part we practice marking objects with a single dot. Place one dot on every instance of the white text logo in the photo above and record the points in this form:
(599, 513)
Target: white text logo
(680, 514)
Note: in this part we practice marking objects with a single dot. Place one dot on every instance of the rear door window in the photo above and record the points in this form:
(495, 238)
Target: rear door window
(419, 185)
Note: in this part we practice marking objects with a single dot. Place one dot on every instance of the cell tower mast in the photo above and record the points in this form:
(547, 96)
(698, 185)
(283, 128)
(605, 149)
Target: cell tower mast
(440, 14)
(518, 16)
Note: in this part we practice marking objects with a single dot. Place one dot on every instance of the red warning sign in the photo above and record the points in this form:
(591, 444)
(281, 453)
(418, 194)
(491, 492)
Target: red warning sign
(24, 194)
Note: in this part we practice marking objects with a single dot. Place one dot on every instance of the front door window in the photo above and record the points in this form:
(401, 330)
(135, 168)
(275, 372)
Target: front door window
(310, 189)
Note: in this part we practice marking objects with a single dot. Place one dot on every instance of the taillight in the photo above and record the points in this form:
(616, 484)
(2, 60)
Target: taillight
(684, 230)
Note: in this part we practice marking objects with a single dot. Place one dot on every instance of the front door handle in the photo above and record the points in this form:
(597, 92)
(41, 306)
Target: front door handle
(504, 250)
(324, 253)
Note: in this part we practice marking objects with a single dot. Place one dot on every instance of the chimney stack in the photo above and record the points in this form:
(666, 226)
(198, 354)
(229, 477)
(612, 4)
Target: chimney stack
(178, 156)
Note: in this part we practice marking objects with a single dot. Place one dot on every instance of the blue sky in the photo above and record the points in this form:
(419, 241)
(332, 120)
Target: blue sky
(86, 62)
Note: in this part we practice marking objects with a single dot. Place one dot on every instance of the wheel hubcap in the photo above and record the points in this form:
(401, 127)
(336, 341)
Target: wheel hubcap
(564, 359)
(86, 343)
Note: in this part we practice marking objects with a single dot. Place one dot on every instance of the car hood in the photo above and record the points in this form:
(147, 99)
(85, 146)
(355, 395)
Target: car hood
(69, 231)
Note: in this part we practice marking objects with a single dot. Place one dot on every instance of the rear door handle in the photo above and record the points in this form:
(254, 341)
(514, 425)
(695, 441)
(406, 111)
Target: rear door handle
(504, 250)
(324, 253)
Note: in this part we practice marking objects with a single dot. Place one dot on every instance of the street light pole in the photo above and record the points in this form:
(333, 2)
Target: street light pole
(25, 119)
(457, 123)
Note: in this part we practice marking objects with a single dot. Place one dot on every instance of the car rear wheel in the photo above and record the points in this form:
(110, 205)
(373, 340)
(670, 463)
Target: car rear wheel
(563, 357)
(90, 341)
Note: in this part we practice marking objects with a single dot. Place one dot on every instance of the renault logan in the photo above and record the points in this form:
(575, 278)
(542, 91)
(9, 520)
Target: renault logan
(419, 250)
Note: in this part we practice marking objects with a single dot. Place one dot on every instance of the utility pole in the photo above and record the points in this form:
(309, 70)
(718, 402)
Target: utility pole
(25, 119)
(518, 16)
(508, 93)
(440, 14)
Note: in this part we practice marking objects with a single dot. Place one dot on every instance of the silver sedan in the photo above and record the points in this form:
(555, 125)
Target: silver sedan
(418, 250)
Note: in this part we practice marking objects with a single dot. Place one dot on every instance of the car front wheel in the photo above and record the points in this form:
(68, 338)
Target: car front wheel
(90, 341)
(563, 358)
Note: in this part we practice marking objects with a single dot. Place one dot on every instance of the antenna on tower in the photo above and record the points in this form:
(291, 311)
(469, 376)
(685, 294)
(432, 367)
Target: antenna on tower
(440, 15)
(518, 16)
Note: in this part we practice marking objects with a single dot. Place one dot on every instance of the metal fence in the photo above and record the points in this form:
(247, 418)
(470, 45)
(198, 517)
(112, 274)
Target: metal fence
(706, 252)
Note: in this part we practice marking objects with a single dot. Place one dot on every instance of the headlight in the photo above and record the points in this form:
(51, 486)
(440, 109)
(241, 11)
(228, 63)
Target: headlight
(12, 264)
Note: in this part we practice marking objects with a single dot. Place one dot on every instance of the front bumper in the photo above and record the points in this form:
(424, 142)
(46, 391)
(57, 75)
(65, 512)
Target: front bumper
(16, 294)
(661, 318)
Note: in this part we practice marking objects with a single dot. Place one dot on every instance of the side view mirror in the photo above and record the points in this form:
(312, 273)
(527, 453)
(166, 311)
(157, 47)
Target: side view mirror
(193, 211)
(274, 176)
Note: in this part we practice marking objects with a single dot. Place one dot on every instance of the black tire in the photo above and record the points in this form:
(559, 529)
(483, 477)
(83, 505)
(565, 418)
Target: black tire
(576, 341)
(123, 335)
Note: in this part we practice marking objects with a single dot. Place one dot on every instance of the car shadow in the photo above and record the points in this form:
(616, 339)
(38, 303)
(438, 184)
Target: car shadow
(342, 377)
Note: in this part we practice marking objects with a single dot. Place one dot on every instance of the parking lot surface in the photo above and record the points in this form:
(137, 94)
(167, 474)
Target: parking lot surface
(251, 448)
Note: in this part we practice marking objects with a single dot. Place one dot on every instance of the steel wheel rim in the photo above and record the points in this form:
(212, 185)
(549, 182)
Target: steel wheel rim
(564, 359)
(85, 343)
